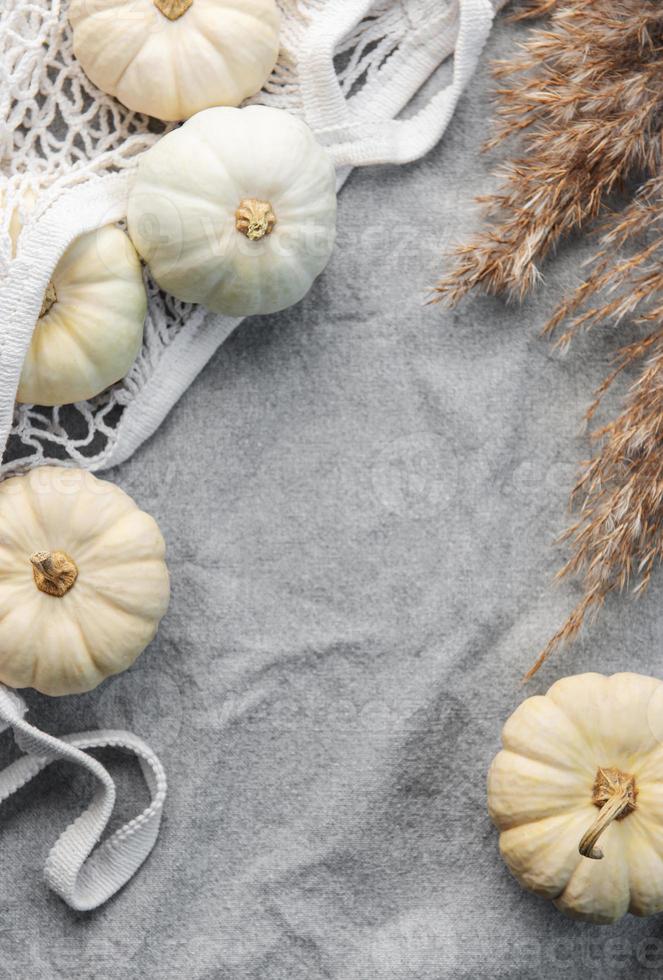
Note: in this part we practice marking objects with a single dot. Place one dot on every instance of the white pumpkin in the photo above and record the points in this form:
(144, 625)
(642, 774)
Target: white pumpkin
(83, 581)
(585, 762)
(235, 210)
(171, 58)
(90, 329)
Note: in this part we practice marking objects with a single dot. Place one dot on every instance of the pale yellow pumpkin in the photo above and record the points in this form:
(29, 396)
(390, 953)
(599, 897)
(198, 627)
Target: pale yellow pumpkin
(172, 58)
(90, 327)
(83, 580)
(585, 762)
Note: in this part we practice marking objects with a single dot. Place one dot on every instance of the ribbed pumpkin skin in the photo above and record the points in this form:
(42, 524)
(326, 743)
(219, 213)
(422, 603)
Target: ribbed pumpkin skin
(540, 794)
(69, 644)
(219, 52)
(189, 187)
(93, 333)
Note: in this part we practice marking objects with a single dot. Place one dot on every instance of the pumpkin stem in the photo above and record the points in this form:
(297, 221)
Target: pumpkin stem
(54, 572)
(254, 218)
(614, 793)
(172, 9)
(50, 297)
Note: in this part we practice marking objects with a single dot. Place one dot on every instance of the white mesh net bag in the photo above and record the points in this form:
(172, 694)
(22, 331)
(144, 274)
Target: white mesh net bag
(349, 67)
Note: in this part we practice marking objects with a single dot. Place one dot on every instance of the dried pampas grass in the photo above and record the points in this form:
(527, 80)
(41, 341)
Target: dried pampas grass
(619, 532)
(585, 102)
(585, 98)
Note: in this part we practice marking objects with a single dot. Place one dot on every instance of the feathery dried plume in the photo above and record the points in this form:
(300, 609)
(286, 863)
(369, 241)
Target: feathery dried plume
(619, 533)
(621, 287)
(586, 100)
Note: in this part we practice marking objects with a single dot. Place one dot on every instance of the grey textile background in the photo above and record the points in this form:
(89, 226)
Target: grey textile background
(359, 497)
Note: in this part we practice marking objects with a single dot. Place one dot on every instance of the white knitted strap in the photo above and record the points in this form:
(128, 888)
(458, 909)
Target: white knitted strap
(357, 138)
(81, 873)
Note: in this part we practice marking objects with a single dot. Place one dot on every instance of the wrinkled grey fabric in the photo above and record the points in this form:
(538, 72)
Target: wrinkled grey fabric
(360, 498)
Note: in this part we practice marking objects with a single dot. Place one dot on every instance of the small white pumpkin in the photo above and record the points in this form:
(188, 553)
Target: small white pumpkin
(171, 58)
(83, 581)
(585, 762)
(236, 210)
(90, 328)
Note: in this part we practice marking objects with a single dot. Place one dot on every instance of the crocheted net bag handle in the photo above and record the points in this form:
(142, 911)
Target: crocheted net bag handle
(75, 149)
(364, 131)
(80, 870)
